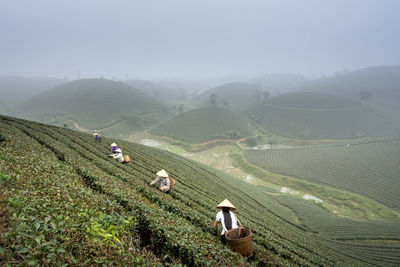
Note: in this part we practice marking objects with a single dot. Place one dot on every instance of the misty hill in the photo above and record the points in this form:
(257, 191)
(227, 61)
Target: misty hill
(16, 89)
(204, 124)
(316, 115)
(279, 83)
(67, 196)
(379, 81)
(379, 86)
(93, 103)
(166, 92)
(234, 96)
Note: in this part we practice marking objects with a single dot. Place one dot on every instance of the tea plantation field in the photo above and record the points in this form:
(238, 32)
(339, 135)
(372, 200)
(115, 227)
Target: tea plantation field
(318, 116)
(371, 168)
(205, 124)
(65, 202)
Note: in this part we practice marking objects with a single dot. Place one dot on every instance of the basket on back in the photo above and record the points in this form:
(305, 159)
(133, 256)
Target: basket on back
(171, 182)
(239, 239)
(127, 158)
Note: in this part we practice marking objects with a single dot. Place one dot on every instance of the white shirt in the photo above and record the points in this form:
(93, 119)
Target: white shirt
(220, 218)
(119, 157)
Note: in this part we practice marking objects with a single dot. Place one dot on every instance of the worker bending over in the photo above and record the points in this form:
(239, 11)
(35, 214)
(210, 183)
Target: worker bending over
(226, 217)
(118, 155)
(162, 177)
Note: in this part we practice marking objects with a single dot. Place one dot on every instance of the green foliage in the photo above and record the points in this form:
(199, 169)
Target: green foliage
(74, 205)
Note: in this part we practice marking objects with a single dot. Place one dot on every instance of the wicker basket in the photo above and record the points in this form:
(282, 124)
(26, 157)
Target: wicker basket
(127, 158)
(171, 182)
(239, 239)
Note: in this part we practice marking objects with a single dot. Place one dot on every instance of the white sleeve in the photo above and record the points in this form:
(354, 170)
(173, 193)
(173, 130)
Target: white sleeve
(156, 180)
(218, 217)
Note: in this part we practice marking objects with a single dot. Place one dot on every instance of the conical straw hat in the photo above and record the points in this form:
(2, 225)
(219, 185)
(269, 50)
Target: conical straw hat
(162, 173)
(226, 204)
(113, 144)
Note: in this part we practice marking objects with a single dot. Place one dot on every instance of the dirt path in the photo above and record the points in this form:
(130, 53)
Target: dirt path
(76, 125)
(208, 142)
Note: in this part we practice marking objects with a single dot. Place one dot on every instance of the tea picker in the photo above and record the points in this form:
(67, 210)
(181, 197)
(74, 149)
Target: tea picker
(239, 239)
(166, 182)
(120, 157)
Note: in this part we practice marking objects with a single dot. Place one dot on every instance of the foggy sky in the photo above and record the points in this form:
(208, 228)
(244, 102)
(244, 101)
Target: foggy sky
(195, 38)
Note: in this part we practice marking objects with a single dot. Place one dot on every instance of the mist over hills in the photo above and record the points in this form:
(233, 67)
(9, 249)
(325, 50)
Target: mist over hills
(380, 81)
(235, 96)
(279, 83)
(158, 90)
(92, 102)
(316, 115)
(16, 89)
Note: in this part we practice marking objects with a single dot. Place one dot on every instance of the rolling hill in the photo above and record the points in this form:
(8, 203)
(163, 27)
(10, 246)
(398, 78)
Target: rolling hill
(279, 83)
(64, 201)
(234, 96)
(92, 103)
(160, 90)
(16, 89)
(379, 86)
(204, 124)
(316, 116)
(380, 81)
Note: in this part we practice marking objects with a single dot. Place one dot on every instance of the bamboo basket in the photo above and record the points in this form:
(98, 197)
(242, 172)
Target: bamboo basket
(239, 239)
(127, 158)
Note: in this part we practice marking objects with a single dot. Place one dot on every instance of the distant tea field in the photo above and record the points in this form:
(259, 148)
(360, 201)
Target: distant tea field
(371, 168)
(204, 124)
(317, 116)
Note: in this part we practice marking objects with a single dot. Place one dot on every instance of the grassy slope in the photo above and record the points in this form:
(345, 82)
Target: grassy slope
(204, 124)
(315, 115)
(370, 168)
(92, 102)
(70, 203)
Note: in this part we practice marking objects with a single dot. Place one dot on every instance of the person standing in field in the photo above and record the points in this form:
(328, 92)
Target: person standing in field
(96, 136)
(165, 183)
(226, 217)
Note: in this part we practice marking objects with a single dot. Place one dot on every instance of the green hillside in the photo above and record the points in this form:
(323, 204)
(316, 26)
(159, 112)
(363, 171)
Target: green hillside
(204, 124)
(371, 168)
(235, 96)
(64, 201)
(93, 103)
(316, 115)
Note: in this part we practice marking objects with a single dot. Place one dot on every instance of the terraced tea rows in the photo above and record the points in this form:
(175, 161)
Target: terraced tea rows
(371, 168)
(70, 203)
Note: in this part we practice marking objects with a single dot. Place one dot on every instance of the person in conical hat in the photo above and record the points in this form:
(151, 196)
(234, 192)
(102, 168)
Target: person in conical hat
(114, 147)
(118, 155)
(162, 177)
(226, 217)
(96, 136)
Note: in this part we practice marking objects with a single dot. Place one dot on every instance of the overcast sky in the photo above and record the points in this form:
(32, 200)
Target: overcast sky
(195, 38)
